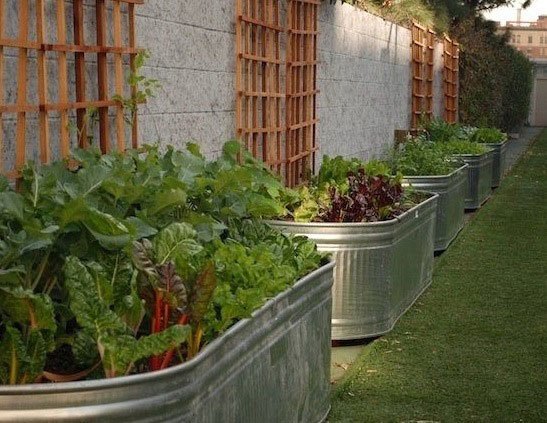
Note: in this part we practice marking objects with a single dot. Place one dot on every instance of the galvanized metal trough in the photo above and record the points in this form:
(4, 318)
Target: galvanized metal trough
(499, 151)
(381, 267)
(479, 178)
(452, 189)
(274, 367)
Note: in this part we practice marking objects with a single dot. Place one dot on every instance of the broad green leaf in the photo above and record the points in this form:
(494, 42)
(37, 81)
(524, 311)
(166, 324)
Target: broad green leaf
(109, 231)
(88, 180)
(177, 241)
(28, 308)
(12, 204)
(12, 276)
(35, 359)
(166, 199)
(121, 352)
(139, 228)
(12, 355)
(91, 313)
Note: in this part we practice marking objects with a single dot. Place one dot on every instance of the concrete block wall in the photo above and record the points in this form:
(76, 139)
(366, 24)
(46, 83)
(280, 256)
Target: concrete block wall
(192, 46)
(438, 81)
(364, 76)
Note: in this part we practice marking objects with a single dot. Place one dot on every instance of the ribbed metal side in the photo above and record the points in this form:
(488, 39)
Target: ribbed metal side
(498, 165)
(381, 267)
(452, 189)
(274, 367)
(479, 178)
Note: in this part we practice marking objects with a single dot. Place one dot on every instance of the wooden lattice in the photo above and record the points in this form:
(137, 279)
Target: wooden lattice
(71, 98)
(451, 79)
(284, 141)
(418, 73)
(301, 113)
(429, 72)
(260, 97)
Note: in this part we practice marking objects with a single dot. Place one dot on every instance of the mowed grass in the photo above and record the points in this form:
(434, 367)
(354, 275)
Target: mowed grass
(474, 347)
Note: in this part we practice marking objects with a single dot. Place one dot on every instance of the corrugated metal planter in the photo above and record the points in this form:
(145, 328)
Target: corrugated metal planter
(381, 267)
(452, 189)
(274, 367)
(498, 165)
(479, 178)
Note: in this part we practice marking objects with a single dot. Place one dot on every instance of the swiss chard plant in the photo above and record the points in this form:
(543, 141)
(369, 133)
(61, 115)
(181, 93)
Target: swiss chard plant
(131, 263)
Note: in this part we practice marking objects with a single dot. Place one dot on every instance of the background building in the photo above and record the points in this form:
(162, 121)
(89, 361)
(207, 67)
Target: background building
(529, 37)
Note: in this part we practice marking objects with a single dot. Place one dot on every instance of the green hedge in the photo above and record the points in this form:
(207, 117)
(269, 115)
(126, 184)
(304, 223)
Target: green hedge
(495, 79)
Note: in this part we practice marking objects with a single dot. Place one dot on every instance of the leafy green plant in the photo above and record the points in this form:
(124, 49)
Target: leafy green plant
(488, 136)
(349, 190)
(464, 147)
(133, 262)
(142, 86)
(420, 157)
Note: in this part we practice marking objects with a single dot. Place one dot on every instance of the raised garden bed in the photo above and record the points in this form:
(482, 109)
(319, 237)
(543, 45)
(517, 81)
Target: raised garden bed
(273, 367)
(452, 190)
(141, 285)
(499, 151)
(381, 267)
(479, 178)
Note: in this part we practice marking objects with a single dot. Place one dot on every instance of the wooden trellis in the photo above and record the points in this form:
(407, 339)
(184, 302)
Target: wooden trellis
(260, 95)
(71, 98)
(451, 79)
(301, 114)
(277, 121)
(429, 72)
(418, 73)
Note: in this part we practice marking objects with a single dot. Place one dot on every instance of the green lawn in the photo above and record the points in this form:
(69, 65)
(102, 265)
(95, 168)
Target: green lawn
(474, 347)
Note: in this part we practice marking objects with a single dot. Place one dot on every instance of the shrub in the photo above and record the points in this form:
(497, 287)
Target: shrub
(495, 79)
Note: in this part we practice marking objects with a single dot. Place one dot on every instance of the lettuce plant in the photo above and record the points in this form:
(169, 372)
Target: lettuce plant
(349, 190)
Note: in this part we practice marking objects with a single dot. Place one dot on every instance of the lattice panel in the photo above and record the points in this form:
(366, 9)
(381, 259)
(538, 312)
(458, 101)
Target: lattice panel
(429, 72)
(260, 96)
(451, 79)
(301, 113)
(62, 98)
(419, 77)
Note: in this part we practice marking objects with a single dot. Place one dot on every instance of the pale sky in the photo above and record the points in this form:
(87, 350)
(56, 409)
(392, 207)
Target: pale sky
(538, 7)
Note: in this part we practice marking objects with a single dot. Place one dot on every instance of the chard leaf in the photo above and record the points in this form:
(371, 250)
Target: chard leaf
(26, 307)
(105, 228)
(121, 352)
(12, 276)
(88, 180)
(85, 302)
(11, 203)
(166, 199)
(261, 206)
(12, 355)
(176, 243)
(84, 348)
(35, 358)
(202, 293)
(139, 228)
